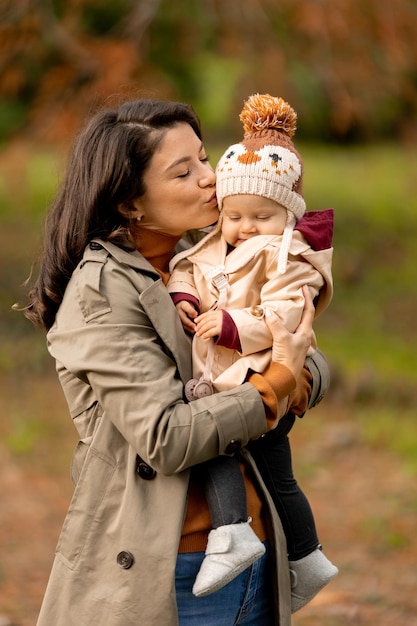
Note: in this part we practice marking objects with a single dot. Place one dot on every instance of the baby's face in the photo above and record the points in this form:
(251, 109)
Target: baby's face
(246, 216)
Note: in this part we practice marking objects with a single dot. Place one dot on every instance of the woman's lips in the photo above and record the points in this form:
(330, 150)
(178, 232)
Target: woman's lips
(212, 199)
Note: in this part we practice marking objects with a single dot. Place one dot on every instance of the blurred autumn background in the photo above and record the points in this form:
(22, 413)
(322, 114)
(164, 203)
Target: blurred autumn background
(350, 70)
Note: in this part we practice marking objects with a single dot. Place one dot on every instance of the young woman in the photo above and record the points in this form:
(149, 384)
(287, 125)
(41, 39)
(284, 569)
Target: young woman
(132, 541)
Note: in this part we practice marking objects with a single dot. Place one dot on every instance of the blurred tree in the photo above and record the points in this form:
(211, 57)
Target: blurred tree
(349, 68)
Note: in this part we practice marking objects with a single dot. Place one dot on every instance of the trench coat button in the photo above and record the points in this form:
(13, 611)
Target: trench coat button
(233, 447)
(144, 470)
(94, 245)
(125, 559)
(257, 311)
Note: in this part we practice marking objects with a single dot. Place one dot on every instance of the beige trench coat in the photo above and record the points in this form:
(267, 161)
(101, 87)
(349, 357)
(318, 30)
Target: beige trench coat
(122, 359)
(252, 281)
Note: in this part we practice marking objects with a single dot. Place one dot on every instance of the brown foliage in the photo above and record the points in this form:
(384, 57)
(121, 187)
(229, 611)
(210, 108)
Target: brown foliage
(349, 68)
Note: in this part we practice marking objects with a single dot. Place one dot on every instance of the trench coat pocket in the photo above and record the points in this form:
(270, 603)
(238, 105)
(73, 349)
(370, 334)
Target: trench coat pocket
(87, 505)
(78, 458)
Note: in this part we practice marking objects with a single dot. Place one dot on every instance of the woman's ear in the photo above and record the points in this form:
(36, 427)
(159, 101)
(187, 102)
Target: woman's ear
(131, 210)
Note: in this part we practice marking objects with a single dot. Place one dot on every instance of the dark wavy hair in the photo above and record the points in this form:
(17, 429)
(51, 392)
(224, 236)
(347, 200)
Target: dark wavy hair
(105, 171)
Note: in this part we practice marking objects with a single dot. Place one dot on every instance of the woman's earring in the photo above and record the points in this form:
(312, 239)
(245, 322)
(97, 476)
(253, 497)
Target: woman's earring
(139, 218)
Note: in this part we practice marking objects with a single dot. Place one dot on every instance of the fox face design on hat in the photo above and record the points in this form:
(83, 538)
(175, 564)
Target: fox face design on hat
(266, 162)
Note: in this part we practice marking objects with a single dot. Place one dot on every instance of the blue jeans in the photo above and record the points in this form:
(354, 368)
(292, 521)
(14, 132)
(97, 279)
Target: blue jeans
(245, 601)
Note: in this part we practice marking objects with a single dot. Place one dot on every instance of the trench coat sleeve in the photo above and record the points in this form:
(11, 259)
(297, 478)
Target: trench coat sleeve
(118, 332)
(182, 279)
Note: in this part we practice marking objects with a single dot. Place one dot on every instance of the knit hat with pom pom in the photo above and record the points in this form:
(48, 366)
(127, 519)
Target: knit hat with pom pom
(266, 162)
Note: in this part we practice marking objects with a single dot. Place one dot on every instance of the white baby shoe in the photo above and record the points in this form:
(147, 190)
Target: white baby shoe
(230, 550)
(308, 576)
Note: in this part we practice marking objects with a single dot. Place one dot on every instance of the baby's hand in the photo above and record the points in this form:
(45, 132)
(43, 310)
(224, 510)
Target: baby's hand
(209, 324)
(187, 313)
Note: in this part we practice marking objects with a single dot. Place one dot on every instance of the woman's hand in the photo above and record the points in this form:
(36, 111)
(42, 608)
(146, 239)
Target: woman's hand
(290, 349)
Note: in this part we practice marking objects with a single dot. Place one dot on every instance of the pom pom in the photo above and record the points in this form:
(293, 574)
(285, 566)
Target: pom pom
(264, 112)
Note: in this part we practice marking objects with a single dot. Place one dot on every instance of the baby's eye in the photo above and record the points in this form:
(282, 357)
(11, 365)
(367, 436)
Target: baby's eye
(262, 218)
(234, 218)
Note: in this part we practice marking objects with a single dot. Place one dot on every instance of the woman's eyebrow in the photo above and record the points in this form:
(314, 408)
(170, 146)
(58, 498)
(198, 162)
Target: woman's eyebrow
(179, 161)
(183, 159)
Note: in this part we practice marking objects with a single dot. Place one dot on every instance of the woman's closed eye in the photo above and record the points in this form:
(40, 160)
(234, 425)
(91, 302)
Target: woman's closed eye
(204, 160)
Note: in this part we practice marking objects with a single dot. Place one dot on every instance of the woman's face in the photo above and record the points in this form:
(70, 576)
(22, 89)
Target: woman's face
(180, 185)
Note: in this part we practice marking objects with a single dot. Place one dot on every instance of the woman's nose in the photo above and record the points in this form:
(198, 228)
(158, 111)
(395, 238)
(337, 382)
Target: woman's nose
(208, 177)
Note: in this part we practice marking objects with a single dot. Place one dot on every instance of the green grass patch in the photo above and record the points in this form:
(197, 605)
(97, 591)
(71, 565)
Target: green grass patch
(25, 435)
(28, 182)
(391, 430)
(372, 317)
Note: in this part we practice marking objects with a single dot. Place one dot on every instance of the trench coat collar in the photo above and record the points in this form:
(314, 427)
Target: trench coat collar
(132, 258)
(178, 343)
